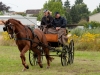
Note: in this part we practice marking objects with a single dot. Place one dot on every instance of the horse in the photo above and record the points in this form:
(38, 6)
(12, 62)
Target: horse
(28, 39)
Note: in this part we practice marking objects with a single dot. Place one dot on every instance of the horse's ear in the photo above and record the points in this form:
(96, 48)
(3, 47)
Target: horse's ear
(4, 22)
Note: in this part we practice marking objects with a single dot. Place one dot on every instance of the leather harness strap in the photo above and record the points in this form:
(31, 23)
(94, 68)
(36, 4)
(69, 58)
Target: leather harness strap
(31, 40)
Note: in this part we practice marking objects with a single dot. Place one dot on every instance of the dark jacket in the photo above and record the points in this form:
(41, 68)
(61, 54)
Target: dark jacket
(59, 22)
(47, 20)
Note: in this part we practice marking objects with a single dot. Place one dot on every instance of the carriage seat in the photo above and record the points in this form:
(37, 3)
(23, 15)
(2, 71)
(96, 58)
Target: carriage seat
(52, 37)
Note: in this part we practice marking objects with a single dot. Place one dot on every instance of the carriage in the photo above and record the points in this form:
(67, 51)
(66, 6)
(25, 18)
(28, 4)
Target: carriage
(66, 53)
(26, 39)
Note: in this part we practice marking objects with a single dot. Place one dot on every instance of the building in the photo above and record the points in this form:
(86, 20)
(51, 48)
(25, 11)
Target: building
(32, 12)
(95, 17)
(29, 21)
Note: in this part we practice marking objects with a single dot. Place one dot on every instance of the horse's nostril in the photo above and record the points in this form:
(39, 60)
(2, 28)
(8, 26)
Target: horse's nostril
(4, 29)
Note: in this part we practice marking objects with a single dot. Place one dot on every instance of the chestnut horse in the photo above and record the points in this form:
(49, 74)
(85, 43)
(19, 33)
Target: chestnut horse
(27, 39)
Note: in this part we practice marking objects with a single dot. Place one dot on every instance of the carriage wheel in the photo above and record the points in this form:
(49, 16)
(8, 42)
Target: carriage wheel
(64, 56)
(32, 58)
(71, 51)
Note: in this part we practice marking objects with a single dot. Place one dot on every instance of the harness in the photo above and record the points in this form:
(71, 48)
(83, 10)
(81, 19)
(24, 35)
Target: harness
(28, 38)
(27, 35)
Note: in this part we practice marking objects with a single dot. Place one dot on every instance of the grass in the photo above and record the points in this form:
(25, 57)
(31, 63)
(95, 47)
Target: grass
(85, 63)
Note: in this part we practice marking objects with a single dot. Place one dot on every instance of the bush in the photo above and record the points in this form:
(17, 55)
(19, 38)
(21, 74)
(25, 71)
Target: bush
(6, 41)
(87, 39)
(77, 31)
(93, 24)
(80, 32)
(82, 22)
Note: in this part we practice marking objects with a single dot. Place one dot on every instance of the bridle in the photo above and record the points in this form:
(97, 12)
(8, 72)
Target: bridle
(9, 27)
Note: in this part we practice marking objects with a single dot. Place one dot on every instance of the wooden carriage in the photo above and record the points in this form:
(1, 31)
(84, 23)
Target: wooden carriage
(66, 54)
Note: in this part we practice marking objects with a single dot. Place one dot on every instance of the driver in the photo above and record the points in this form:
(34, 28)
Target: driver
(46, 20)
(59, 27)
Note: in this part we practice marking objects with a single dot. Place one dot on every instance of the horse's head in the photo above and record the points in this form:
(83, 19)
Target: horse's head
(10, 26)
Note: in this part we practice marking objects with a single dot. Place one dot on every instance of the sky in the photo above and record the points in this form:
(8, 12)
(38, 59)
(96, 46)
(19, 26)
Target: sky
(22, 5)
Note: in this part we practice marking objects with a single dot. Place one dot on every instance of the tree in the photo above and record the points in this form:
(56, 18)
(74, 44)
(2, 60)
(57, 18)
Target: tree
(78, 1)
(74, 15)
(3, 7)
(59, 1)
(67, 11)
(69, 18)
(40, 15)
(80, 11)
(54, 5)
(97, 10)
(1, 13)
(67, 4)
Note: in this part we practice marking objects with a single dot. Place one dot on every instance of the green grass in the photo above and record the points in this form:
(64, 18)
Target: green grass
(85, 63)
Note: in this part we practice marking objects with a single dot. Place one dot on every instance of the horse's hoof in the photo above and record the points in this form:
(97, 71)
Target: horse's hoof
(27, 67)
(48, 67)
(24, 69)
(41, 66)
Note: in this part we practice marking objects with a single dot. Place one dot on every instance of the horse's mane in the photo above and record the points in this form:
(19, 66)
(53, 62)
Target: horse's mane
(16, 21)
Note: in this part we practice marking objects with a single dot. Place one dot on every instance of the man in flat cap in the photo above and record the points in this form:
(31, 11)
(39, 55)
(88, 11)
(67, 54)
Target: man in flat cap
(59, 27)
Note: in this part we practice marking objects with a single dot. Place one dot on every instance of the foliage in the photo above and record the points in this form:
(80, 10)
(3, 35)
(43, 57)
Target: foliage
(40, 15)
(80, 32)
(3, 7)
(67, 4)
(79, 11)
(93, 24)
(23, 14)
(5, 36)
(67, 11)
(55, 3)
(68, 17)
(78, 1)
(77, 31)
(86, 40)
(82, 22)
(1, 13)
(74, 15)
(6, 41)
(96, 10)
(53, 6)
(34, 15)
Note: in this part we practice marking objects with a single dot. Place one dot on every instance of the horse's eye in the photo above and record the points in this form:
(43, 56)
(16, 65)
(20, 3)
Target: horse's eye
(10, 27)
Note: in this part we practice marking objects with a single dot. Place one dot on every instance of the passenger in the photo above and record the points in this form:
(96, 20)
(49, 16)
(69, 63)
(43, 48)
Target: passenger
(59, 27)
(46, 21)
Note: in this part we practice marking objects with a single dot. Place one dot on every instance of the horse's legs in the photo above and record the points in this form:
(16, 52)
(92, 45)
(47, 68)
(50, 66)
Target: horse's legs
(48, 58)
(38, 52)
(22, 56)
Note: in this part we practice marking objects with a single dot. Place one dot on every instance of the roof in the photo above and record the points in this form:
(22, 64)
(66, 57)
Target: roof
(34, 11)
(95, 14)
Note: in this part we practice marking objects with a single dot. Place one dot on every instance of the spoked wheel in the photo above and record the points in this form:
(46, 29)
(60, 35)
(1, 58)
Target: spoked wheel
(71, 51)
(32, 58)
(64, 56)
